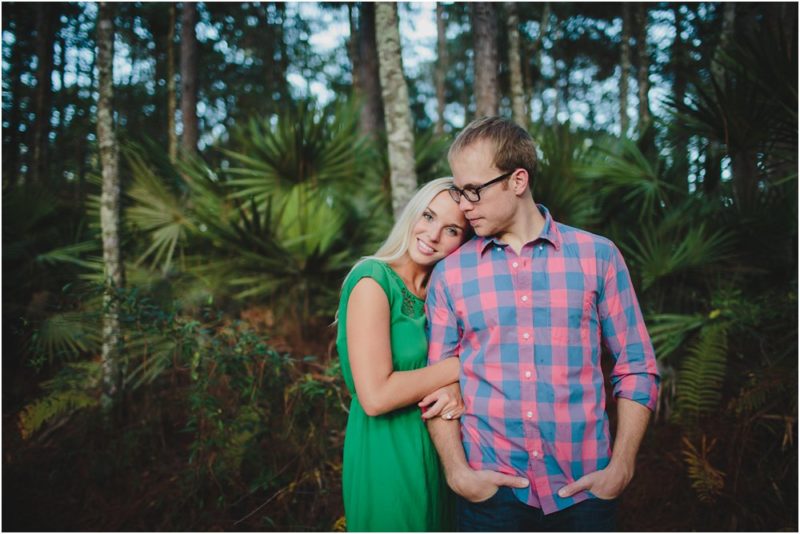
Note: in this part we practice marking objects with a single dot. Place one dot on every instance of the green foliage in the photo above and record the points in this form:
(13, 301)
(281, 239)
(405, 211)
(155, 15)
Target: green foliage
(703, 373)
(74, 388)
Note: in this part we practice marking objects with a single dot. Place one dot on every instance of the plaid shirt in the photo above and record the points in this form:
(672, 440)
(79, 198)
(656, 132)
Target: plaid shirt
(529, 331)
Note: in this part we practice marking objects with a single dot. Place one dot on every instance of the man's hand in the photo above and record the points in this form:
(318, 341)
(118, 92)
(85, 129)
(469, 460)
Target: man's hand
(605, 484)
(477, 486)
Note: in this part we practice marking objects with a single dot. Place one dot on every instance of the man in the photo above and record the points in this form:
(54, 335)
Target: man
(527, 306)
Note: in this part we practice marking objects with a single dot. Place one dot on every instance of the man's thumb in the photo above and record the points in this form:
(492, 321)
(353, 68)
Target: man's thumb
(571, 489)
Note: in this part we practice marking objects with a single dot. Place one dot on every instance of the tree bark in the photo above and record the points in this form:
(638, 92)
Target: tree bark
(441, 67)
(371, 120)
(484, 28)
(681, 153)
(515, 67)
(172, 99)
(352, 45)
(644, 67)
(45, 18)
(189, 77)
(625, 69)
(399, 131)
(536, 55)
(11, 159)
(728, 25)
(109, 207)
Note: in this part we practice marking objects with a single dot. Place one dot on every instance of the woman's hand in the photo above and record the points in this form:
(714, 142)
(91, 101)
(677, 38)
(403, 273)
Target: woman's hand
(445, 401)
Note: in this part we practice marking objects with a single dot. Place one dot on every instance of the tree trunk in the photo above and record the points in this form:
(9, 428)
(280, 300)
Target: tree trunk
(11, 160)
(109, 206)
(644, 67)
(45, 18)
(484, 29)
(625, 69)
(372, 120)
(441, 67)
(172, 100)
(728, 25)
(681, 153)
(399, 129)
(535, 55)
(189, 77)
(515, 67)
(352, 47)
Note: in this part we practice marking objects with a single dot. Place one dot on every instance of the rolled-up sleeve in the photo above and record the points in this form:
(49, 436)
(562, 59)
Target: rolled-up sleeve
(442, 324)
(635, 373)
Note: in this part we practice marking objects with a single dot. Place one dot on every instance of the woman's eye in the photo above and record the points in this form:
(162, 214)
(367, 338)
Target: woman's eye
(427, 216)
(452, 231)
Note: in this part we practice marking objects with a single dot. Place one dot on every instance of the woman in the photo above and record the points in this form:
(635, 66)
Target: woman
(391, 479)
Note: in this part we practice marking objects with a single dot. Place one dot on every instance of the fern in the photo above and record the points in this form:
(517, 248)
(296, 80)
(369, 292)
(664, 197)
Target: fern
(702, 374)
(71, 390)
(707, 481)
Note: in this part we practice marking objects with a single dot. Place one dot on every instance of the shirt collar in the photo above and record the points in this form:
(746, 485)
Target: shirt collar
(549, 233)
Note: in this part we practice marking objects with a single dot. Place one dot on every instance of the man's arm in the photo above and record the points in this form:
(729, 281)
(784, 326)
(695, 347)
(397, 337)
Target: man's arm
(635, 380)
(609, 483)
(473, 485)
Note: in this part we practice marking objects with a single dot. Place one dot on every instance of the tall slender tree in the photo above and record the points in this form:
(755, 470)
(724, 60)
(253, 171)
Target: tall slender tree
(397, 110)
(109, 206)
(532, 83)
(515, 66)
(484, 28)
(172, 99)
(624, 68)
(728, 25)
(46, 17)
(643, 78)
(441, 66)
(371, 121)
(189, 77)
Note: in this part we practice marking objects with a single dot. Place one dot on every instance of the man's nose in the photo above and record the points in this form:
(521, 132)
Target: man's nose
(464, 204)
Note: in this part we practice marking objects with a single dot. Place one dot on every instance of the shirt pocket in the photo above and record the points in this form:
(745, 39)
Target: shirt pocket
(571, 316)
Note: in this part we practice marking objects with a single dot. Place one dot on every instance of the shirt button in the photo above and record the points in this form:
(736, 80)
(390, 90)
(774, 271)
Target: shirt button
(529, 414)
(535, 454)
(527, 374)
(515, 265)
(541, 247)
(524, 298)
(526, 335)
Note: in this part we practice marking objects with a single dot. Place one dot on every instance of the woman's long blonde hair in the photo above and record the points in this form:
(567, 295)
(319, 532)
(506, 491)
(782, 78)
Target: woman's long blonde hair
(396, 245)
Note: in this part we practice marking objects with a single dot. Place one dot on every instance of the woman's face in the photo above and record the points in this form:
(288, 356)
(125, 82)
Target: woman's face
(438, 232)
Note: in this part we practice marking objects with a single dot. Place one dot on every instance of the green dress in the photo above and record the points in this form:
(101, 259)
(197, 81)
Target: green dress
(391, 479)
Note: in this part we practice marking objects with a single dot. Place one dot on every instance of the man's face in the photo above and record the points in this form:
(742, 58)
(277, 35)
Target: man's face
(472, 167)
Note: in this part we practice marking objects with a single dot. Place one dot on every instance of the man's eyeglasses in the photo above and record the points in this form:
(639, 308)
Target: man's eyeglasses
(473, 194)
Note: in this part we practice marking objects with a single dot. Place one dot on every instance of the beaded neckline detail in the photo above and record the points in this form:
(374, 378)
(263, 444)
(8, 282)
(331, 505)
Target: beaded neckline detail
(412, 306)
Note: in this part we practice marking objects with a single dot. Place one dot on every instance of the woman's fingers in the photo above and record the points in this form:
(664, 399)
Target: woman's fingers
(436, 408)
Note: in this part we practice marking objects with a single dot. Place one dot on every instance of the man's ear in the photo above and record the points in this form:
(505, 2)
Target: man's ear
(520, 181)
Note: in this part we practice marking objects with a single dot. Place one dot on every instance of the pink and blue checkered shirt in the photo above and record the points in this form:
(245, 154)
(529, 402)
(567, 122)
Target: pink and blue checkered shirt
(529, 331)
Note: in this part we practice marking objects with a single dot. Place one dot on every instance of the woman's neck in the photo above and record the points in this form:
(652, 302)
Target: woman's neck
(413, 274)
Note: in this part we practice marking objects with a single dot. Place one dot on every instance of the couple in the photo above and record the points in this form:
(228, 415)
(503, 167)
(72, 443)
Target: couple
(525, 306)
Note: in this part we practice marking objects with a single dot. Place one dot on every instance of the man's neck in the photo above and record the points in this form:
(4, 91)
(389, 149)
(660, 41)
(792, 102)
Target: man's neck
(526, 226)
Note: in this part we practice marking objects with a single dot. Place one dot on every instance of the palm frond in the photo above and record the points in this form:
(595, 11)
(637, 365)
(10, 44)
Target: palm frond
(702, 374)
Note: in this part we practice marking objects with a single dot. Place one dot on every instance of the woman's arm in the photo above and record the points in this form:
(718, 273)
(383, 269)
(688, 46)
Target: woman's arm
(379, 387)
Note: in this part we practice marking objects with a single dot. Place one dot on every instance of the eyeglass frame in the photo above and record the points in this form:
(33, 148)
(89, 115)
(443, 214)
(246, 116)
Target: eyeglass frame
(456, 193)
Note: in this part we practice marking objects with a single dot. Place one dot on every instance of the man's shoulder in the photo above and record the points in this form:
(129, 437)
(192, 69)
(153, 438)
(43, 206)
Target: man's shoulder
(584, 243)
(466, 255)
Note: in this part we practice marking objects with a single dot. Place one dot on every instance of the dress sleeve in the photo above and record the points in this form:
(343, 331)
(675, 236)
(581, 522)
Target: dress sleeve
(367, 269)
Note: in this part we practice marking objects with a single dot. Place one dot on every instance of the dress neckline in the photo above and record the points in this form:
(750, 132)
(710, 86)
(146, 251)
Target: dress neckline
(403, 283)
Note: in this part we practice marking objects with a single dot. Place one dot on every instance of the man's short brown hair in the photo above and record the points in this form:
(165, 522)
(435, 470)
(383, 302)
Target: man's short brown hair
(513, 146)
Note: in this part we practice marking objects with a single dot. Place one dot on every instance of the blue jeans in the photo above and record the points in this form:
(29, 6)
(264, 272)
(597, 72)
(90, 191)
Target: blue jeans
(503, 512)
